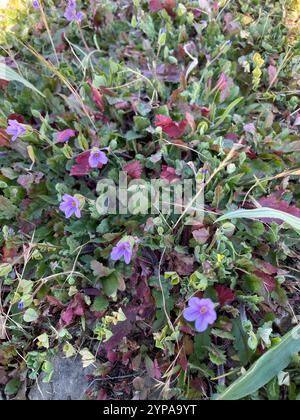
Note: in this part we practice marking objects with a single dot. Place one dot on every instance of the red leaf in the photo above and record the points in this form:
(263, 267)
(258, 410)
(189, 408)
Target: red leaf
(67, 316)
(112, 356)
(164, 72)
(169, 174)
(184, 265)
(102, 395)
(122, 105)
(267, 267)
(76, 308)
(16, 117)
(3, 84)
(201, 235)
(82, 167)
(155, 5)
(169, 6)
(272, 72)
(133, 169)
(55, 302)
(199, 384)
(182, 361)
(274, 202)
(205, 111)
(191, 121)
(8, 253)
(268, 281)
(78, 304)
(122, 329)
(170, 127)
(225, 295)
(97, 97)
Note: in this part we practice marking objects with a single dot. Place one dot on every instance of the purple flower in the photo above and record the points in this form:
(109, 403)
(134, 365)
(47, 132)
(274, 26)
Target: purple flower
(97, 158)
(250, 128)
(36, 4)
(123, 249)
(70, 206)
(15, 129)
(65, 135)
(21, 305)
(71, 13)
(202, 311)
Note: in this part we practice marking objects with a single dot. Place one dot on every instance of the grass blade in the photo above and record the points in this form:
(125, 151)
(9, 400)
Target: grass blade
(10, 75)
(263, 213)
(265, 369)
(228, 111)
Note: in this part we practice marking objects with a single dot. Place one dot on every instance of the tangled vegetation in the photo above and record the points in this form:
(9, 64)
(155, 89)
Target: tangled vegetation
(202, 92)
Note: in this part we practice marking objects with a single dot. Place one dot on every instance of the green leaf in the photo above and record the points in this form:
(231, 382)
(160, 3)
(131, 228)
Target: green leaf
(217, 356)
(100, 304)
(110, 285)
(241, 342)
(10, 75)
(141, 123)
(7, 209)
(263, 213)
(100, 270)
(30, 315)
(5, 269)
(265, 369)
(43, 341)
(87, 357)
(202, 342)
(12, 386)
(228, 110)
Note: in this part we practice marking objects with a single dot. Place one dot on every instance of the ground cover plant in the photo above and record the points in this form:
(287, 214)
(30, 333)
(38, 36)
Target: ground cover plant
(199, 301)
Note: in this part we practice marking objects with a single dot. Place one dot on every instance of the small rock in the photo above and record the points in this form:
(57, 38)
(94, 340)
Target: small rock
(69, 381)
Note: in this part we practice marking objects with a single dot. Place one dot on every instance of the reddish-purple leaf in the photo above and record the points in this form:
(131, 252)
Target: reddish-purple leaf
(170, 127)
(75, 308)
(267, 267)
(133, 169)
(82, 166)
(122, 329)
(272, 72)
(276, 203)
(67, 316)
(97, 97)
(55, 302)
(201, 235)
(225, 295)
(169, 174)
(182, 264)
(165, 73)
(268, 281)
(16, 117)
(3, 84)
(155, 5)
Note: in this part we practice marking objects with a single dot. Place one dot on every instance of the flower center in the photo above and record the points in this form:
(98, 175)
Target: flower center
(74, 204)
(203, 310)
